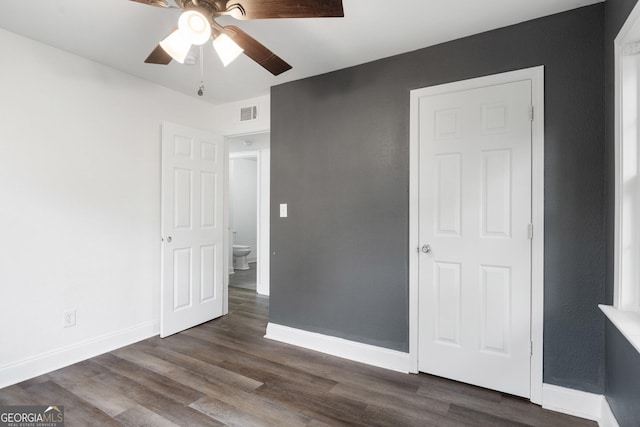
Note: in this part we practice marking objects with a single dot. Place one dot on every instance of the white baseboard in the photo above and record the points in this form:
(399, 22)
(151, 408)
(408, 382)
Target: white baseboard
(578, 403)
(262, 289)
(74, 353)
(607, 419)
(359, 352)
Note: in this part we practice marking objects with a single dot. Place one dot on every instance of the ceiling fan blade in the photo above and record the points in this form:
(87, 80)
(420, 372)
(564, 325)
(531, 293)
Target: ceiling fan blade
(158, 56)
(256, 51)
(268, 9)
(157, 3)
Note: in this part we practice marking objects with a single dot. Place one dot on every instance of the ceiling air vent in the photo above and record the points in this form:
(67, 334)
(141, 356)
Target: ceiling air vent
(248, 113)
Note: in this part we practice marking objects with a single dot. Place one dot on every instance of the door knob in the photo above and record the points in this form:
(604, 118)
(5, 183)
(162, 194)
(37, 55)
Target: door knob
(426, 249)
(169, 239)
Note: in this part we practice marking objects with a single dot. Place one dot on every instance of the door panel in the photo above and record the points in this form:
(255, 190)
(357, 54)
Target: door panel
(496, 310)
(475, 209)
(182, 199)
(448, 198)
(208, 197)
(181, 278)
(192, 209)
(207, 272)
(447, 282)
(496, 193)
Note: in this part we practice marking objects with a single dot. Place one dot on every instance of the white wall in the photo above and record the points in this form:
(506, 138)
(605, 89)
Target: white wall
(248, 143)
(79, 205)
(243, 193)
(227, 117)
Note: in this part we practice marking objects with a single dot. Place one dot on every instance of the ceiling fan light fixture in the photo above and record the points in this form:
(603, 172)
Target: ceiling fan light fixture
(176, 45)
(227, 49)
(195, 27)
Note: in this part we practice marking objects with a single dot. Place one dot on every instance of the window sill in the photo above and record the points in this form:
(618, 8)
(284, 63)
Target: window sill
(627, 322)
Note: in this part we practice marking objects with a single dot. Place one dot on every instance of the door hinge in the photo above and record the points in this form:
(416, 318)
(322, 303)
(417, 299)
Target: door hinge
(531, 112)
(530, 348)
(530, 231)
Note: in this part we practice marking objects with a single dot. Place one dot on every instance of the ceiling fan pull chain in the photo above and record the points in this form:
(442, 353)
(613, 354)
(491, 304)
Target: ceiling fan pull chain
(201, 89)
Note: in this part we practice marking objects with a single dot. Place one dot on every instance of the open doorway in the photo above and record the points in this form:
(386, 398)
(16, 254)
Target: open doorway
(248, 211)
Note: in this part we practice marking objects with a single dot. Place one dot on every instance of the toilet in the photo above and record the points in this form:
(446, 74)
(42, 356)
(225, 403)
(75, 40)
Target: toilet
(240, 253)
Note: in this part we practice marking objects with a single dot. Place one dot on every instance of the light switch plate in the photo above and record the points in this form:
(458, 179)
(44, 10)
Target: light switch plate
(283, 210)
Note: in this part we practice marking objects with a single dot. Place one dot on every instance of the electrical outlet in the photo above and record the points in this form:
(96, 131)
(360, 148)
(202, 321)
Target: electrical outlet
(69, 318)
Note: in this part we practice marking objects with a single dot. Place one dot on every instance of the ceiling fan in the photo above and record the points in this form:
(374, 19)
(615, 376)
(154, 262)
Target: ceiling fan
(197, 25)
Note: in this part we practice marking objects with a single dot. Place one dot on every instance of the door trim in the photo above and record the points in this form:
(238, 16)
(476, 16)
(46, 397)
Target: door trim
(536, 75)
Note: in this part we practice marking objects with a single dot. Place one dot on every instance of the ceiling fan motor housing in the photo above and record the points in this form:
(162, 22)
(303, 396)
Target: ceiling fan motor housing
(213, 8)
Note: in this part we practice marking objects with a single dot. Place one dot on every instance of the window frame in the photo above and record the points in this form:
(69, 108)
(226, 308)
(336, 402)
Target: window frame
(625, 311)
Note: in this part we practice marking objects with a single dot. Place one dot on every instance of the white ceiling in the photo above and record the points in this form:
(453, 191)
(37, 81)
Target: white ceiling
(121, 33)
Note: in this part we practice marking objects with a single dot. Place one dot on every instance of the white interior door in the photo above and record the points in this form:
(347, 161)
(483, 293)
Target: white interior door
(474, 217)
(192, 228)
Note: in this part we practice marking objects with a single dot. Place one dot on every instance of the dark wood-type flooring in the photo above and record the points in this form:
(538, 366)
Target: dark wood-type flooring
(225, 373)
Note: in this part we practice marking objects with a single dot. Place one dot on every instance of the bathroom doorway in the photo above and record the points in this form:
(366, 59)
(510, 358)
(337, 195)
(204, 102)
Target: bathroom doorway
(248, 211)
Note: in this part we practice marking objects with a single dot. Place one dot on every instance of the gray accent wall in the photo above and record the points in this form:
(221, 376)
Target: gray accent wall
(340, 159)
(622, 361)
(622, 378)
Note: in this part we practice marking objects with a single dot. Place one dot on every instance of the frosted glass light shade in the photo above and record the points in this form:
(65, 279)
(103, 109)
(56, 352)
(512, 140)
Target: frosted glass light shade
(195, 27)
(226, 48)
(176, 45)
